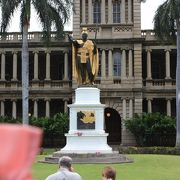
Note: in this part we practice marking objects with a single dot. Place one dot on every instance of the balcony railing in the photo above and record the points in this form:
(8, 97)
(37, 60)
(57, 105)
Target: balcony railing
(55, 84)
(32, 36)
(37, 84)
(148, 34)
(159, 82)
(37, 36)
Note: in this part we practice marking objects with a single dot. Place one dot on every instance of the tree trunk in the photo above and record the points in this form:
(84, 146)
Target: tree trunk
(178, 87)
(25, 76)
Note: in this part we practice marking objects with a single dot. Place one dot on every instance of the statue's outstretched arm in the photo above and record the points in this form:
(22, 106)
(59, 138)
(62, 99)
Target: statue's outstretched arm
(70, 38)
(74, 42)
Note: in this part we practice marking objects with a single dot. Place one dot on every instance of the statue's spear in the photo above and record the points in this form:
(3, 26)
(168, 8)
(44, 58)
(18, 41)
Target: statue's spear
(96, 33)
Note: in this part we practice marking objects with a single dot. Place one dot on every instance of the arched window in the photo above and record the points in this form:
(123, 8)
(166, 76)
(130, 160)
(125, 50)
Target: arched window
(117, 63)
(97, 12)
(116, 11)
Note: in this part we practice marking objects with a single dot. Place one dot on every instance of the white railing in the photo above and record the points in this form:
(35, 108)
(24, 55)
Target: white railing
(34, 84)
(159, 82)
(148, 34)
(32, 36)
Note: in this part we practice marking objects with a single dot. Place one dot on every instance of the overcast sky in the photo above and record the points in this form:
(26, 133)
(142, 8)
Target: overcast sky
(148, 10)
(147, 13)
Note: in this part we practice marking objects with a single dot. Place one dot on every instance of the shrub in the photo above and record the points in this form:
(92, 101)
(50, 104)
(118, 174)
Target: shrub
(150, 126)
(150, 150)
(57, 125)
(6, 119)
(54, 128)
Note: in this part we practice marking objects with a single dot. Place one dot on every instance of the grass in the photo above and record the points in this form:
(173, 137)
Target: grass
(145, 167)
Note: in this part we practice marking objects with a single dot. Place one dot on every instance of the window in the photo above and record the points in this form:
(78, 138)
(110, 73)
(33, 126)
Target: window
(158, 64)
(116, 11)
(117, 63)
(97, 12)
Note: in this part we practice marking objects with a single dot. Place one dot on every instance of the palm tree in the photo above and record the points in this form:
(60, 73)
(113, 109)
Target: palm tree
(167, 27)
(50, 12)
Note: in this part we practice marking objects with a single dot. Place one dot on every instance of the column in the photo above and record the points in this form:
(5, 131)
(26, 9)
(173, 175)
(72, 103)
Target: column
(168, 64)
(14, 111)
(109, 11)
(83, 10)
(65, 65)
(130, 63)
(124, 108)
(129, 11)
(122, 11)
(35, 112)
(130, 108)
(90, 12)
(2, 66)
(47, 65)
(137, 55)
(103, 10)
(124, 131)
(35, 65)
(103, 64)
(149, 72)
(2, 107)
(138, 104)
(14, 66)
(65, 105)
(47, 107)
(123, 64)
(168, 105)
(110, 64)
(149, 105)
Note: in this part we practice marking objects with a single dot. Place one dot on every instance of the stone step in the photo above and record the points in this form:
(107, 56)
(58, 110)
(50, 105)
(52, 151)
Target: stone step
(89, 158)
(86, 155)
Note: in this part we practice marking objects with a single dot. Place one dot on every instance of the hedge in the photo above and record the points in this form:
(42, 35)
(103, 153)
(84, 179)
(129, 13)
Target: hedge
(150, 150)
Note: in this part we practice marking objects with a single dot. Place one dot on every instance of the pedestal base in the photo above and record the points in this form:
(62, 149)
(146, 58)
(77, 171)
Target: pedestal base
(86, 133)
(86, 143)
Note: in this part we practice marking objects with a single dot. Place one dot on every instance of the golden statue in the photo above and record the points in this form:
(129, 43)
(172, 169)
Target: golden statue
(85, 59)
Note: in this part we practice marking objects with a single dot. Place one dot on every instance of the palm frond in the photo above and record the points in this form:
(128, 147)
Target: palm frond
(57, 21)
(63, 7)
(7, 9)
(43, 12)
(165, 20)
(54, 12)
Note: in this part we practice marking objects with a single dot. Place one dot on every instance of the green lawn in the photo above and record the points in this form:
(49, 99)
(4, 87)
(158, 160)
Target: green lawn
(145, 167)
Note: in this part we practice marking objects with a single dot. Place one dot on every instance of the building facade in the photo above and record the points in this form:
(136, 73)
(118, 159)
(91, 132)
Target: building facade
(136, 71)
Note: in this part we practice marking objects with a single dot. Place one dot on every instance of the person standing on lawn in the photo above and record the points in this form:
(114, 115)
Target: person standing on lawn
(65, 171)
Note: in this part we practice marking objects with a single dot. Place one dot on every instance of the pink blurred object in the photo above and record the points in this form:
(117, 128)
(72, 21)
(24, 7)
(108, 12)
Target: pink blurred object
(18, 148)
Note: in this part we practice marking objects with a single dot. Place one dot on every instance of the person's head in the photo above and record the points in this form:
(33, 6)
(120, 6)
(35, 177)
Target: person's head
(84, 34)
(66, 162)
(109, 173)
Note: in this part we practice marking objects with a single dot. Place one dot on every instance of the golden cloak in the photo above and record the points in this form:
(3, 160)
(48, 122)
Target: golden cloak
(94, 61)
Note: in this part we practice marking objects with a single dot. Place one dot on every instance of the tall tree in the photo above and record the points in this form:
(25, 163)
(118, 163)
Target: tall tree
(50, 13)
(167, 27)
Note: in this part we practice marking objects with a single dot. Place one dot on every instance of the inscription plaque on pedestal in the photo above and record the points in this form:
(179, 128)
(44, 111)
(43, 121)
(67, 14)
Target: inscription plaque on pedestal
(86, 120)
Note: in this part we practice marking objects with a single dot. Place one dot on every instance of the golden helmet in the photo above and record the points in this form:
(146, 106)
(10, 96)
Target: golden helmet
(84, 30)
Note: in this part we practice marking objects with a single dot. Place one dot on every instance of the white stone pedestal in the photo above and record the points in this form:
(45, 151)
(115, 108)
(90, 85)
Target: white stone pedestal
(86, 131)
